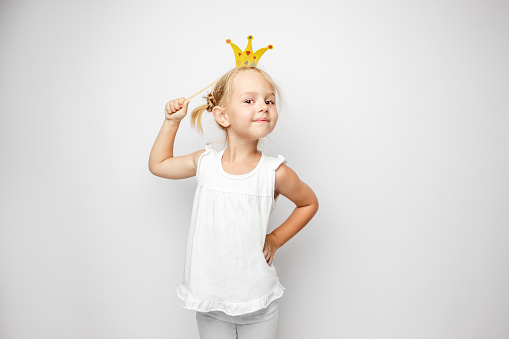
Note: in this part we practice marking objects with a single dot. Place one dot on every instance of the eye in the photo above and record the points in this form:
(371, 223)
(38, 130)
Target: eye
(269, 102)
(248, 101)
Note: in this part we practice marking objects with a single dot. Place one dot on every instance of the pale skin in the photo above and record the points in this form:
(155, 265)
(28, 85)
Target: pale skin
(250, 115)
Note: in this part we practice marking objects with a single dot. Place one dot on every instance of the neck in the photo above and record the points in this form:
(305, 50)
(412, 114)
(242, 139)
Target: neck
(240, 150)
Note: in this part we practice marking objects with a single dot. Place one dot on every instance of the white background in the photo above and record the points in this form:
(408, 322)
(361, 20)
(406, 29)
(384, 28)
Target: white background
(397, 116)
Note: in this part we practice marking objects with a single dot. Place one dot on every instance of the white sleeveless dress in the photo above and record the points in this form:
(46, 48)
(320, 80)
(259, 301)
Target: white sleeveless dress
(225, 269)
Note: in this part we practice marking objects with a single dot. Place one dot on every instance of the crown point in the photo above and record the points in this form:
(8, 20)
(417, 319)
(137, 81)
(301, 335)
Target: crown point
(247, 58)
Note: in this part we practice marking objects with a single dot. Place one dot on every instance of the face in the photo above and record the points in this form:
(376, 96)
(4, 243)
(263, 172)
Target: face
(252, 112)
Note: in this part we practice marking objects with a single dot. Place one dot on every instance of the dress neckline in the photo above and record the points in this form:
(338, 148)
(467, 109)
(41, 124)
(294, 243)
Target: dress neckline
(238, 176)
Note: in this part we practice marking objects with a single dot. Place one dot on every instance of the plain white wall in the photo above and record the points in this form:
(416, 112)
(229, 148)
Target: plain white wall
(397, 116)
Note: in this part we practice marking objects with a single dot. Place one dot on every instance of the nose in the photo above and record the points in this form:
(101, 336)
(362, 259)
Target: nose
(263, 107)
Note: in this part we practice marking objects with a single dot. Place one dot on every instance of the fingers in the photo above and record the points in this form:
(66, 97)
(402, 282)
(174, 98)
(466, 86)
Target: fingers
(268, 254)
(170, 107)
(185, 104)
(268, 258)
(176, 105)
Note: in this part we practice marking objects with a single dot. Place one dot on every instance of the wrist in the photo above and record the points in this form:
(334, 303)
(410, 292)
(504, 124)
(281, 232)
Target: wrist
(169, 122)
(275, 240)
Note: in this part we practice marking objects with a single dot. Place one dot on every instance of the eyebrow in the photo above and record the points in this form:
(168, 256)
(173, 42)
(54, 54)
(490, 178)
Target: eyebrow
(255, 93)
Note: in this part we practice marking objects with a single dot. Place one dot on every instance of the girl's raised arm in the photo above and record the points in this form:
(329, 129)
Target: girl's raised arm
(161, 161)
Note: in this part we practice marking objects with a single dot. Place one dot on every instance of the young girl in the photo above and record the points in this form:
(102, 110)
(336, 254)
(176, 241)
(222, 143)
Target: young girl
(229, 278)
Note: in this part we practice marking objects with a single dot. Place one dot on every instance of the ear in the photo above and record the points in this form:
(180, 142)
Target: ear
(221, 117)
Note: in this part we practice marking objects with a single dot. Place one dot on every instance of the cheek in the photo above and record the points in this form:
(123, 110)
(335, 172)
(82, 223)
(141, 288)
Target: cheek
(240, 121)
(275, 118)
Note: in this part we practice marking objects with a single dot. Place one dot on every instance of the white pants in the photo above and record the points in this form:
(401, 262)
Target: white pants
(212, 328)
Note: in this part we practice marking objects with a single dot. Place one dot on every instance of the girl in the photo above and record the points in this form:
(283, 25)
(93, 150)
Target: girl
(229, 278)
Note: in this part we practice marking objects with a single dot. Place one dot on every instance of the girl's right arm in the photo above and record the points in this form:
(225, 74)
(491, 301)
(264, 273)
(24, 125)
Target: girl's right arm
(161, 161)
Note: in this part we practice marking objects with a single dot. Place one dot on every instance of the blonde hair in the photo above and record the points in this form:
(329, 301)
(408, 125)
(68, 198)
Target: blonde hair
(221, 94)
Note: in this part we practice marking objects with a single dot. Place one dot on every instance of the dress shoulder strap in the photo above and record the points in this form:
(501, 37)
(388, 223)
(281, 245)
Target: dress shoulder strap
(273, 163)
(207, 159)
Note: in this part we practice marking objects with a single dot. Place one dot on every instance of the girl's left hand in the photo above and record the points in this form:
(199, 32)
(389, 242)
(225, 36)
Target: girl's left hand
(269, 248)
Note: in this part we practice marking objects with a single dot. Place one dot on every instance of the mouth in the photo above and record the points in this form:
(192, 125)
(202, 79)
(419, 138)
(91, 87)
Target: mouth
(262, 121)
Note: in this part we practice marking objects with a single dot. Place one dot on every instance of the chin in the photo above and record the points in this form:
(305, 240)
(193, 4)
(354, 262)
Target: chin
(263, 135)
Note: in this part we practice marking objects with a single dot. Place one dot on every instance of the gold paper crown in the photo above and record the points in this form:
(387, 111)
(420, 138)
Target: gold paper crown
(247, 58)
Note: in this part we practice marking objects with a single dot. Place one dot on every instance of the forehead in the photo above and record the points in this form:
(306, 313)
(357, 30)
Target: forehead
(251, 82)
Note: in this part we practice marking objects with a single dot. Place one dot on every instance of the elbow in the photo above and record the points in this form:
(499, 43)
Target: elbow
(316, 205)
(152, 168)
(311, 207)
